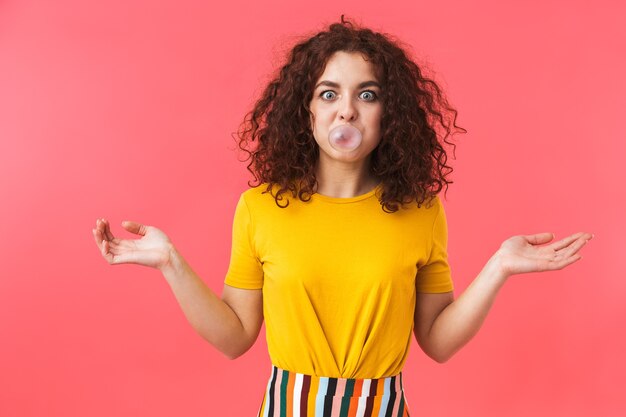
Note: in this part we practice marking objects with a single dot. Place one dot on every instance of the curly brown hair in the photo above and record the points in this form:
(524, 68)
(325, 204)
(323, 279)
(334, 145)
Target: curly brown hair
(410, 160)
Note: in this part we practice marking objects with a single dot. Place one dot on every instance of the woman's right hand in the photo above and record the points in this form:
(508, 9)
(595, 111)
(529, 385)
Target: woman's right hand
(152, 249)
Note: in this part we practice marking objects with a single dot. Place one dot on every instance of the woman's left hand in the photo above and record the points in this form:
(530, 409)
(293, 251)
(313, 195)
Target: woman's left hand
(522, 254)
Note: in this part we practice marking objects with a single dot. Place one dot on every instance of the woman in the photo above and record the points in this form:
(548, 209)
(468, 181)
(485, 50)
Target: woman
(335, 248)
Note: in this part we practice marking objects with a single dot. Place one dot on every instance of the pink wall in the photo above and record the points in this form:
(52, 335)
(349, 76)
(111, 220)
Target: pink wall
(125, 111)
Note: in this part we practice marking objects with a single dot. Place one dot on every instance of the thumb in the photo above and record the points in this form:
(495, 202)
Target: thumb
(134, 227)
(540, 238)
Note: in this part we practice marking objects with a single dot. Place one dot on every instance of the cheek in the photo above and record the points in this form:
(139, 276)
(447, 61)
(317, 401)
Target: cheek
(314, 121)
(379, 118)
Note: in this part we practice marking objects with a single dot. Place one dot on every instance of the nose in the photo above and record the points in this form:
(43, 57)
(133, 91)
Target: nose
(347, 110)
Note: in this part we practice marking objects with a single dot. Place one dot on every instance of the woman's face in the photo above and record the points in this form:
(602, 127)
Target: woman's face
(347, 92)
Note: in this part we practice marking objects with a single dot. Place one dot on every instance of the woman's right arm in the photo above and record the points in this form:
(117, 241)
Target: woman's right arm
(231, 324)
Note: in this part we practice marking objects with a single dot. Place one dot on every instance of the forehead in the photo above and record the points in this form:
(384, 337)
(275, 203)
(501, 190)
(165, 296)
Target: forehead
(348, 66)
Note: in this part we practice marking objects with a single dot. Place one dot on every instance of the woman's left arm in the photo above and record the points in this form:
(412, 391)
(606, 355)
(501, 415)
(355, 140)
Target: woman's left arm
(444, 325)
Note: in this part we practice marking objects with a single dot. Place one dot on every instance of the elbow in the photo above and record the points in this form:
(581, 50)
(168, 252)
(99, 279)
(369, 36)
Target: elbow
(232, 357)
(437, 354)
(440, 357)
(233, 354)
(230, 347)
(229, 350)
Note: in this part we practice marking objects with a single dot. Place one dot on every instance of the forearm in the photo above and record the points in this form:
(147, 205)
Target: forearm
(461, 319)
(210, 316)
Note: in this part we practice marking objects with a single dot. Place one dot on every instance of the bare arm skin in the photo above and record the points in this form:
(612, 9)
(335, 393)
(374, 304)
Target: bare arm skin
(231, 323)
(444, 325)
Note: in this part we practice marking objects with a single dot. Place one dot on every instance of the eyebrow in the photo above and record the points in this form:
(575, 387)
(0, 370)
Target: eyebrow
(335, 85)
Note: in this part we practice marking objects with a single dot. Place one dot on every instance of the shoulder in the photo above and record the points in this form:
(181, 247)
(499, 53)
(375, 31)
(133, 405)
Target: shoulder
(434, 203)
(255, 193)
(259, 199)
(430, 208)
(433, 207)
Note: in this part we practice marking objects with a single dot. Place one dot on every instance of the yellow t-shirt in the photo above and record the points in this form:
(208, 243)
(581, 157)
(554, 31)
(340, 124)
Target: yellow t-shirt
(339, 277)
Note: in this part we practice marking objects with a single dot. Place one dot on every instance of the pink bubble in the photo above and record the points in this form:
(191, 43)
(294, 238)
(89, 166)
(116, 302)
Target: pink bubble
(345, 138)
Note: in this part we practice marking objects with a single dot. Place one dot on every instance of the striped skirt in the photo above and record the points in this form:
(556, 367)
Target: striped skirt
(291, 394)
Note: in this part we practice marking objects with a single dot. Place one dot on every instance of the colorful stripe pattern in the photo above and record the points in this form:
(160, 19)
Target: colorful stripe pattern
(291, 394)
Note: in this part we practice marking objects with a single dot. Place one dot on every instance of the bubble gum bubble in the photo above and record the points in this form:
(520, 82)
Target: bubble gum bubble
(345, 138)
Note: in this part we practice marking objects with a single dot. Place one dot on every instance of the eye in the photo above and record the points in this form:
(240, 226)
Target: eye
(325, 94)
(369, 95)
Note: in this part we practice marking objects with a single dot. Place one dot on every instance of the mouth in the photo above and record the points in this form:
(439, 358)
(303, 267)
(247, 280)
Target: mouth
(345, 137)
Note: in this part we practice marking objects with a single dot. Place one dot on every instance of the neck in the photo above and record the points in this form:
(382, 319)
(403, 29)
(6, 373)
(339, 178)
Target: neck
(344, 180)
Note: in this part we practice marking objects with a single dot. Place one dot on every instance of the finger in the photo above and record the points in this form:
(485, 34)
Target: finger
(104, 250)
(100, 236)
(565, 241)
(564, 262)
(100, 229)
(573, 248)
(114, 256)
(134, 227)
(109, 253)
(539, 238)
(107, 230)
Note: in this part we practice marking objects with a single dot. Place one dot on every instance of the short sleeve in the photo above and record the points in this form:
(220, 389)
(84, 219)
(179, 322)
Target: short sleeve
(435, 275)
(245, 270)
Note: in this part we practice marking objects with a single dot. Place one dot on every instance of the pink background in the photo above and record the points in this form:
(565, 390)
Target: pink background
(125, 111)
